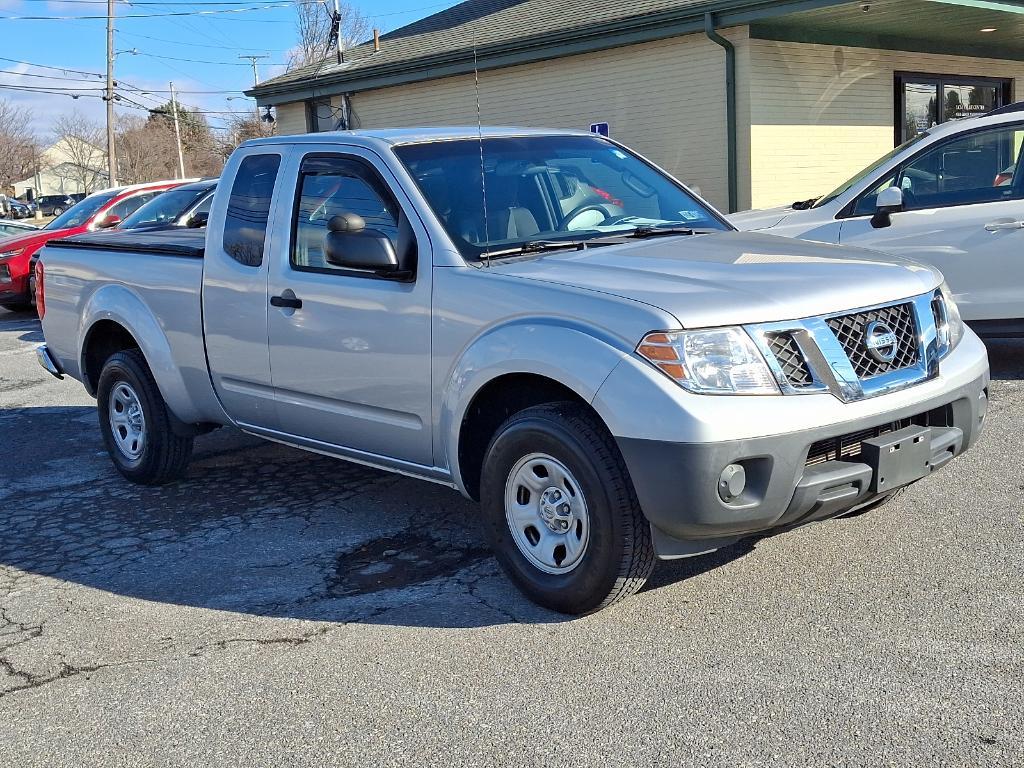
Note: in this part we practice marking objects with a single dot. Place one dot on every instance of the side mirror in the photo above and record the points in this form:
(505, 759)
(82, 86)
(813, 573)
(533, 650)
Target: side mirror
(198, 219)
(109, 222)
(888, 202)
(349, 244)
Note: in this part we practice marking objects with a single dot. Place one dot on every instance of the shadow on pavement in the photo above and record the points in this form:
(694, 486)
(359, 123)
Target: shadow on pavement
(256, 528)
(267, 530)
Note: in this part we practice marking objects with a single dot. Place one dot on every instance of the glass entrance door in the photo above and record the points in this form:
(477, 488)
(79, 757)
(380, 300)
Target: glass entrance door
(926, 100)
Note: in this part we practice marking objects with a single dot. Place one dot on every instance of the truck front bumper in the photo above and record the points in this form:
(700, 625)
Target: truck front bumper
(796, 477)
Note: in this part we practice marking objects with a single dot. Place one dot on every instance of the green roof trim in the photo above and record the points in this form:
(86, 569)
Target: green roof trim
(441, 45)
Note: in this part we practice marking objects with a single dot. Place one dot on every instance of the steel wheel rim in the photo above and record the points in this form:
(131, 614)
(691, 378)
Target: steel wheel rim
(127, 421)
(547, 513)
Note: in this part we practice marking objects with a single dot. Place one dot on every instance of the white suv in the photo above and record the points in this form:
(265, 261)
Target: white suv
(952, 197)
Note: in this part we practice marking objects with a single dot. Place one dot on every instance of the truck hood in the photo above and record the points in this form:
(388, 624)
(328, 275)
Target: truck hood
(761, 219)
(734, 278)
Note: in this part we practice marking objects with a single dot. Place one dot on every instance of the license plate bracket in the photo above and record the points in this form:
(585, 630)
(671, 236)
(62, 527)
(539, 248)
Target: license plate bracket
(898, 458)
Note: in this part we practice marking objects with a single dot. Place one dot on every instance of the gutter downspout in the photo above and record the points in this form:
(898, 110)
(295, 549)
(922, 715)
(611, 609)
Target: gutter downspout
(730, 107)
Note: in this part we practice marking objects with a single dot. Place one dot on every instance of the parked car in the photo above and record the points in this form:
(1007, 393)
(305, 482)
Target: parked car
(184, 206)
(9, 228)
(593, 353)
(949, 197)
(19, 210)
(101, 210)
(54, 205)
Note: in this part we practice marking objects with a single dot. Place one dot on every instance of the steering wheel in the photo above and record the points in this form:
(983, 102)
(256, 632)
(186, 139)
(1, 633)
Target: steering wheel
(584, 208)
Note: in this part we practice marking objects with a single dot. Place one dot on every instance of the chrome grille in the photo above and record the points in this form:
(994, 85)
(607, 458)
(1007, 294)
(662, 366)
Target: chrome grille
(791, 359)
(850, 329)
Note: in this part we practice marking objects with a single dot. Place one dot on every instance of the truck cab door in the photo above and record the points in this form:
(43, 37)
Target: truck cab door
(235, 271)
(350, 349)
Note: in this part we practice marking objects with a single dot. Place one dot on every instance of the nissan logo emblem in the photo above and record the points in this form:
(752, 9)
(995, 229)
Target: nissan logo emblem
(880, 342)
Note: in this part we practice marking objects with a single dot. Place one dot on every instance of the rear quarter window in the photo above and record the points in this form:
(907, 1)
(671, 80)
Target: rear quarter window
(245, 224)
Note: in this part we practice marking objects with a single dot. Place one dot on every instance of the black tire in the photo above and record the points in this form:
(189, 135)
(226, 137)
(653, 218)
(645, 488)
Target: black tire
(57, 211)
(16, 306)
(619, 555)
(164, 455)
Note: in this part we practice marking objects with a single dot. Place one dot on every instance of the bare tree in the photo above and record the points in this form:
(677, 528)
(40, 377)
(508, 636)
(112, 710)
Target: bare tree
(18, 146)
(315, 28)
(243, 126)
(145, 152)
(80, 142)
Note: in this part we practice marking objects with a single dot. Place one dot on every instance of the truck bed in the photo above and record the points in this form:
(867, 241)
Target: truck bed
(148, 282)
(187, 243)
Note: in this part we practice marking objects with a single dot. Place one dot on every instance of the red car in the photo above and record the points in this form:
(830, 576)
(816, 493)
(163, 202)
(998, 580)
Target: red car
(100, 210)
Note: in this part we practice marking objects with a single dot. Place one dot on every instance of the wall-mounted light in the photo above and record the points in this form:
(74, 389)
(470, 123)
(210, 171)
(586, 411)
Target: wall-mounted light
(989, 29)
(267, 117)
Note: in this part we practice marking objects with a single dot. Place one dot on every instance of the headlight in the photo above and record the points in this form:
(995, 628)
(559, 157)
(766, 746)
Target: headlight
(949, 326)
(722, 361)
(10, 254)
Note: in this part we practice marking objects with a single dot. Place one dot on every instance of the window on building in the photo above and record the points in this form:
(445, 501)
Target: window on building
(245, 225)
(923, 101)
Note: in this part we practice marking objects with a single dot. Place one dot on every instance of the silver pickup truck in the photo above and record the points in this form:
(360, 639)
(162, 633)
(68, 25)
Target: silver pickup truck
(541, 320)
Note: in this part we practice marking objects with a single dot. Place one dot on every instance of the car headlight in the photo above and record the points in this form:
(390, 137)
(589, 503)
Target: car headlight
(721, 361)
(11, 254)
(949, 326)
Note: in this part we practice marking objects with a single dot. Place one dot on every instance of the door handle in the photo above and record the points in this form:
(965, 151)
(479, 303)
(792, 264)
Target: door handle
(289, 302)
(999, 226)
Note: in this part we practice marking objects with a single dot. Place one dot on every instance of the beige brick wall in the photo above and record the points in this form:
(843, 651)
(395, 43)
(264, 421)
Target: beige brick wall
(821, 113)
(291, 118)
(665, 99)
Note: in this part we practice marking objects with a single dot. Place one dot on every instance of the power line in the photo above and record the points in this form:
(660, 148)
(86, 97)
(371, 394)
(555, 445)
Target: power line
(210, 12)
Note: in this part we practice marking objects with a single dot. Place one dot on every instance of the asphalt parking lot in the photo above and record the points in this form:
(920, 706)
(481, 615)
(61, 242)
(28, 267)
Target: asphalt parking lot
(282, 608)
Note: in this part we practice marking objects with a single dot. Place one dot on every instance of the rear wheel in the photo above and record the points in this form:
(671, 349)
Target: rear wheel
(57, 210)
(560, 511)
(136, 424)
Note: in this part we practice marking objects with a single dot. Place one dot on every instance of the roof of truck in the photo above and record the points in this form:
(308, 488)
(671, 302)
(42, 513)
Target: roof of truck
(413, 135)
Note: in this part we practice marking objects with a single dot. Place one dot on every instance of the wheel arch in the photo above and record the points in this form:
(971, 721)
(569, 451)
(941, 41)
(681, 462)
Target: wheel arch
(511, 368)
(115, 319)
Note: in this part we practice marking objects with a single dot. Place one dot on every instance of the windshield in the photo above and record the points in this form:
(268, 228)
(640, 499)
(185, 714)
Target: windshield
(545, 188)
(164, 209)
(81, 212)
(870, 170)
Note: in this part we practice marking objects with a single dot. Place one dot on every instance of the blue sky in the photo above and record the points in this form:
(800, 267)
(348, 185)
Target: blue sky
(199, 53)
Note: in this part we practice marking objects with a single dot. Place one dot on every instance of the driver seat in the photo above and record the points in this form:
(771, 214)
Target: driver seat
(513, 223)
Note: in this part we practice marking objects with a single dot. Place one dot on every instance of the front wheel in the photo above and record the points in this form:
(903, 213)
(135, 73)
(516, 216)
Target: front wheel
(57, 211)
(136, 424)
(560, 511)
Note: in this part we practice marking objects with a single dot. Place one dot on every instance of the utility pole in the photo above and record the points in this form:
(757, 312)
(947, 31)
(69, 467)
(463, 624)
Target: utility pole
(111, 149)
(255, 69)
(337, 32)
(255, 74)
(177, 134)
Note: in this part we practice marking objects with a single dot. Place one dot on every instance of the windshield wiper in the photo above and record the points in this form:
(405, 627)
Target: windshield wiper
(536, 246)
(803, 205)
(650, 230)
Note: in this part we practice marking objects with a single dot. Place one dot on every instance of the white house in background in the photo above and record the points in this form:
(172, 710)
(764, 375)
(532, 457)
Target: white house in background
(68, 167)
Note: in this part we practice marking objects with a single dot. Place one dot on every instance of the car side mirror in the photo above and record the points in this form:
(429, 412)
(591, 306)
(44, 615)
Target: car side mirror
(888, 202)
(349, 244)
(109, 222)
(198, 219)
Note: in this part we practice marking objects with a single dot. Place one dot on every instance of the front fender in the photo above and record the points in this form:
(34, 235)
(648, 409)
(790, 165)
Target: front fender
(576, 356)
(120, 304)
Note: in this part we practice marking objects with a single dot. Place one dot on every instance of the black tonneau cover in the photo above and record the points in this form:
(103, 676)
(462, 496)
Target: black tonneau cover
(188, 243)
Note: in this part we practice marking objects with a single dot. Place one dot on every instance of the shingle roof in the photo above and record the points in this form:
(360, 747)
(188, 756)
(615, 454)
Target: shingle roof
(485, 24)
